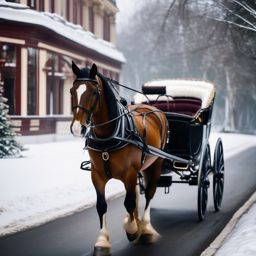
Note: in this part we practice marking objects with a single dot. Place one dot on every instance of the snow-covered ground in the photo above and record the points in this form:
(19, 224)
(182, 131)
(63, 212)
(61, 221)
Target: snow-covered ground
(242, 240)
(47, 183)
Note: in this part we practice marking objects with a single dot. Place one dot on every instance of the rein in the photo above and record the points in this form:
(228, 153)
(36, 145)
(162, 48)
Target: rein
(126, 87)
(123, 114)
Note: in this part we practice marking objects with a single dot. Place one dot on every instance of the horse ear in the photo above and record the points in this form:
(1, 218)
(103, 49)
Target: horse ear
(75, 68)
(93, 71)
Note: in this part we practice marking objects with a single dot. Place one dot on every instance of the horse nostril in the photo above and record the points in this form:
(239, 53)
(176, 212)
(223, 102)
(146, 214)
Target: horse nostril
(83, 129)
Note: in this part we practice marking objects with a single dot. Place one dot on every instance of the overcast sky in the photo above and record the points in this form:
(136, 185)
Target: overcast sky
(126, 8)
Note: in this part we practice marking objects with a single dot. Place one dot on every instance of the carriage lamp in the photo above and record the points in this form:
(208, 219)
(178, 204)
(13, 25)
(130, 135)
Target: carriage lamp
(198, 118)
(201, 117)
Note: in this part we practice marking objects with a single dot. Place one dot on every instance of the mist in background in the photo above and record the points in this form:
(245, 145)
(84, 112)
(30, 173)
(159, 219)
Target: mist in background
(210, 40)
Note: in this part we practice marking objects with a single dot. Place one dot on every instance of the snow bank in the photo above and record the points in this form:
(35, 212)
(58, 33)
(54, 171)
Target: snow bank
(46, 184)
(242, 240)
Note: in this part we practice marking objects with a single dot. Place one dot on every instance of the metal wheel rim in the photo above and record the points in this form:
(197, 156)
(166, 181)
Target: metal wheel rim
(203, 187)
(202, 200)
(218, 178)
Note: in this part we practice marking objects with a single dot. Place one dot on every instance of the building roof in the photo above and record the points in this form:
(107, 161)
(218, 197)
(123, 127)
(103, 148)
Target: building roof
(22, 13)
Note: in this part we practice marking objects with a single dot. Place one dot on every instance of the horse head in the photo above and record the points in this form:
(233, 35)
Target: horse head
(85, 95)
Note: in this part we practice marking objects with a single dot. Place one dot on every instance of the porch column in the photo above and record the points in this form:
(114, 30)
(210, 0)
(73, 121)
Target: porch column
(112, 29)
(86, 15)
(98, 20)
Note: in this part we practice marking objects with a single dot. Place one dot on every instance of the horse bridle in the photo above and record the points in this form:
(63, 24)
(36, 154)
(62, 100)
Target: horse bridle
(74, 98)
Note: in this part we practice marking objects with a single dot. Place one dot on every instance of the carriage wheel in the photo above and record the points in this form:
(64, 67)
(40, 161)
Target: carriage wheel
(218, 175)
(202, 196)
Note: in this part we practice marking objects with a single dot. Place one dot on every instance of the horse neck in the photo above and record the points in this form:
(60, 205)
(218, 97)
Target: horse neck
(103, 116)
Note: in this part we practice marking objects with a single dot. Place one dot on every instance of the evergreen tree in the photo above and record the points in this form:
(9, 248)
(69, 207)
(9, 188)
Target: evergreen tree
(8, 145)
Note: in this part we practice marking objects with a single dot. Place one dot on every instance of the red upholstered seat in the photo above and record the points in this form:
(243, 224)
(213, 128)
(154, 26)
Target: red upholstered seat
(181, 105)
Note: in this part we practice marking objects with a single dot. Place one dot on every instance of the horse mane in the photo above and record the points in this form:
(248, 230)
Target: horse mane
(110, 97)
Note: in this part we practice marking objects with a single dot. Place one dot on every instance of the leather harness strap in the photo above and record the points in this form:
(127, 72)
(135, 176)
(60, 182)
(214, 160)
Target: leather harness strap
(105, 158)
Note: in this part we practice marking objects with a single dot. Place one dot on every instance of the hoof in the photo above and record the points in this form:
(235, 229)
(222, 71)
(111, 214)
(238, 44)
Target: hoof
(132, 237)
(102, 251)
(148, 238)
(131, 228)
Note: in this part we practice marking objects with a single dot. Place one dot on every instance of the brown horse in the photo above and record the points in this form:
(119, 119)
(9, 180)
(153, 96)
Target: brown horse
(108, 127)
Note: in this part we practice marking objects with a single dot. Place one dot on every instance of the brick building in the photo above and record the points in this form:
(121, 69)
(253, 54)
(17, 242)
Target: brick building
(38, 41)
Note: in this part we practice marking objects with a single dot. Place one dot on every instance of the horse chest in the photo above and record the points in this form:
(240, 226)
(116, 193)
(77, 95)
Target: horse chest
(118, 163)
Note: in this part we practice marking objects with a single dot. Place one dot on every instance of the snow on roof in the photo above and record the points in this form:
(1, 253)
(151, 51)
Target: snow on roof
(182, 88)
(56, 23)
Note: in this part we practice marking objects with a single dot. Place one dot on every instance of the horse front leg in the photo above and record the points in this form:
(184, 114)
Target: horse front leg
(151, 175)
(102, 246)
(131, 221)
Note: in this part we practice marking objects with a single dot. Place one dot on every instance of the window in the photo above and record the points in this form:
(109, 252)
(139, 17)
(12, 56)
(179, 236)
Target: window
(32, 88)
(67, 10)
(106, 27)
(91, 19)
(8, 70)
(55, 85)
(41, 5)
(78, 12)
(52, 6)
(32, 4)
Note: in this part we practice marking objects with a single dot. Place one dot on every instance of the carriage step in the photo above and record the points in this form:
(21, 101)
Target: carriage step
(165, 182)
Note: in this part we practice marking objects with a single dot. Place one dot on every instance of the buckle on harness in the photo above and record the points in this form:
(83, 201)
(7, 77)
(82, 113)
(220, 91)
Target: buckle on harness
(105, 156)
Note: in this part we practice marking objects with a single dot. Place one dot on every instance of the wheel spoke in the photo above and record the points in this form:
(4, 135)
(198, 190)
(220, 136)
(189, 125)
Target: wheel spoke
(220, 162)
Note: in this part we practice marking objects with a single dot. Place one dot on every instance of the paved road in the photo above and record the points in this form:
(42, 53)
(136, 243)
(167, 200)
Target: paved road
(173, 215)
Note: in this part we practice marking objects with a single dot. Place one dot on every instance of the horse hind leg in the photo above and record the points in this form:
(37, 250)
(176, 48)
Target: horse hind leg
(151, 175)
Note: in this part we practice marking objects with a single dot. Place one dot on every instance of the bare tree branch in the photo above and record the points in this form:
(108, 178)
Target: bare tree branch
(250, 26)
(164, 22)
(232, 23)
(246, 7)
(237, 15)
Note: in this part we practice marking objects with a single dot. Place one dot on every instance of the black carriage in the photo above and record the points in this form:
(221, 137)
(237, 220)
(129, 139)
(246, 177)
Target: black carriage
(188, 107)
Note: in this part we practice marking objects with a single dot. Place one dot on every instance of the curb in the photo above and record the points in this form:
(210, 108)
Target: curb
(220, 239)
